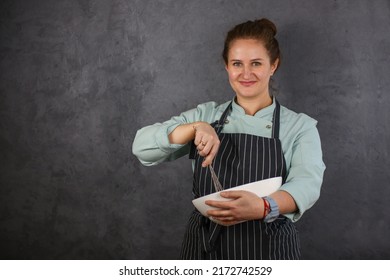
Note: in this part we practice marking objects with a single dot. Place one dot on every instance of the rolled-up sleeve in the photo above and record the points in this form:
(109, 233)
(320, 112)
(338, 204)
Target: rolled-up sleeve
(151, 144)
(306, 170)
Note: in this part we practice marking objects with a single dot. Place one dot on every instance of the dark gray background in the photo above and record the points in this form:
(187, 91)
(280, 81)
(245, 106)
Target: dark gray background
(78, 78)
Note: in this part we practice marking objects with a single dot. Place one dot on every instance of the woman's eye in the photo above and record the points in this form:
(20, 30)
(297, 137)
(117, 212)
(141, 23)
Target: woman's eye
(236, 64)
(256, 63)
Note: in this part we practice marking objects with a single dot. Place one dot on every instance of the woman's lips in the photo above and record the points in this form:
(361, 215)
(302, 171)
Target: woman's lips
(247, 83)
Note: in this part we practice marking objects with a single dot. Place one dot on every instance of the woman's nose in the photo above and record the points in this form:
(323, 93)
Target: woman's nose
(247, 71)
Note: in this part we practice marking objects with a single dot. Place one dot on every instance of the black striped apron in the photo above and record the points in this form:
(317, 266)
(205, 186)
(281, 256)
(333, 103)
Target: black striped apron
(241, 159)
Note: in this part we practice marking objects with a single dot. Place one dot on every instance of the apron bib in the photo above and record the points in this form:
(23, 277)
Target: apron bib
(241, 159)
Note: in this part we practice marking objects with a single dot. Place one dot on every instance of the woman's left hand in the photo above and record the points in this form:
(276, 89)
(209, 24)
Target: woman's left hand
(243, 206)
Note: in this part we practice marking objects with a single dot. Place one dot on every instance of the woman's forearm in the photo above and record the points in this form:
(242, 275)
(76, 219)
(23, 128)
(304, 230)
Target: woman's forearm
(285, 201)
(183, 134)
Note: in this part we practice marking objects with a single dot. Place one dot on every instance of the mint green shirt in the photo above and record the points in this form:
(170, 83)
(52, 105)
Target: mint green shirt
(298, 134)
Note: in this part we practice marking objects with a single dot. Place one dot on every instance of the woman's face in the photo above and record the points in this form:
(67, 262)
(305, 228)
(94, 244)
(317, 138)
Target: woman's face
(249, 69)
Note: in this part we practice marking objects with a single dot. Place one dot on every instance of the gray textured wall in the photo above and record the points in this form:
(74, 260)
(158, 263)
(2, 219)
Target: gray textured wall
(78, 78)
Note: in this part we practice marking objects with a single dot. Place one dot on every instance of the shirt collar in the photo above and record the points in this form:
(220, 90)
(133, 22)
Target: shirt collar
(259, 114)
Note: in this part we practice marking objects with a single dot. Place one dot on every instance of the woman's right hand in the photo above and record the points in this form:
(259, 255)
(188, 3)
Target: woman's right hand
(206, 141)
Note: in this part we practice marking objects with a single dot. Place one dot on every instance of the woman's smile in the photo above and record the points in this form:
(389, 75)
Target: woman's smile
(247, 83)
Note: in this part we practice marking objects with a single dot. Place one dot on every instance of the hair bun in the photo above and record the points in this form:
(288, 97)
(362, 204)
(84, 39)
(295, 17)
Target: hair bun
(267, 24)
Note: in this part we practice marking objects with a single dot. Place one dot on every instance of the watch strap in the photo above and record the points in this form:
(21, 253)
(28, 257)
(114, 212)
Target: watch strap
(273, 213)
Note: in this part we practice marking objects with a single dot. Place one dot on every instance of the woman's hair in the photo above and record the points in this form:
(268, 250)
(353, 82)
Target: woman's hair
(263, 30)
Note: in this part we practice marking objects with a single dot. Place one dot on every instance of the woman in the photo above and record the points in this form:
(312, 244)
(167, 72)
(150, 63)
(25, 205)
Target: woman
(247, 139)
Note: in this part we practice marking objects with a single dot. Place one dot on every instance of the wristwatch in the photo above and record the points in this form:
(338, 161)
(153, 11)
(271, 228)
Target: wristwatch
(273, 210)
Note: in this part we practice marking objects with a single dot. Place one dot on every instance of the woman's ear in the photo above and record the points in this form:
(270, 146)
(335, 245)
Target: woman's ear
(275, 65)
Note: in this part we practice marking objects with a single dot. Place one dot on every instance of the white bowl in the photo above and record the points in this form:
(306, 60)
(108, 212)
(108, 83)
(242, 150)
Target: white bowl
(260, 188)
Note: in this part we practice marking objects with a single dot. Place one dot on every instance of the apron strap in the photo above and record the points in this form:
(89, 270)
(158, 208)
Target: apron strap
(221, 122)
(276, 120)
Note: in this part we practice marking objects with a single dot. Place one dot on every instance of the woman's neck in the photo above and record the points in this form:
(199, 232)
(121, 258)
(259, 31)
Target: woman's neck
(252, 106)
